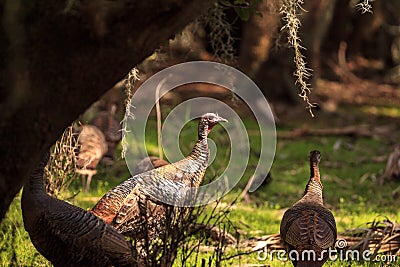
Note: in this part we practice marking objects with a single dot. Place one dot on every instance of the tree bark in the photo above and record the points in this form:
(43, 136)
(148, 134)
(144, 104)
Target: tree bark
(271, 70)
(58, 57)
(258, 35)
(365, 26)
(315, 24)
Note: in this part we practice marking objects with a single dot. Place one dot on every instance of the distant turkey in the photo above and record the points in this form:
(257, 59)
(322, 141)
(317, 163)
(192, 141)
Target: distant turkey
(131, 208)
(147, 164)
(68, 235)
(92, 147)
(110, 126)
(308, 225)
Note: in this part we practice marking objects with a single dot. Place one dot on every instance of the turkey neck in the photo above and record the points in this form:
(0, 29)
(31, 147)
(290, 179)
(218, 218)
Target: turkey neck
(34, 197)
(200, 150)
(199, 155)
(314, 187)
(35, 184)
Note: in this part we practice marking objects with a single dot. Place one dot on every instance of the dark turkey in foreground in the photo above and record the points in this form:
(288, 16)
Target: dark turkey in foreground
(131, 206)
(68, 235)
(308, 227)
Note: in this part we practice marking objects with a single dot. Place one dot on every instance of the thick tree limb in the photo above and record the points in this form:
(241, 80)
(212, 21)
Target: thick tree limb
(57, 59)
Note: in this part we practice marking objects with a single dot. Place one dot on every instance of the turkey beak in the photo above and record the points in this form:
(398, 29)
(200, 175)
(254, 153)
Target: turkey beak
(219, 119)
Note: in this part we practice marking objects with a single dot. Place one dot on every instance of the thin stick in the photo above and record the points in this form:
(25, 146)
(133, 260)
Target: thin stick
(158, 109)
(244, 192)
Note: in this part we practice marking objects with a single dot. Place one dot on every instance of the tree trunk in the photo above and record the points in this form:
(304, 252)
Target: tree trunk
(258, 35)
(58, 57)
(275, 77)
(315, 25)
(338, 29)
(364, 28)
(272, 70)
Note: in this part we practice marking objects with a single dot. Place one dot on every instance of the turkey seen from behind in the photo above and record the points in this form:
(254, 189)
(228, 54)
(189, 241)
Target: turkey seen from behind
(308, 228)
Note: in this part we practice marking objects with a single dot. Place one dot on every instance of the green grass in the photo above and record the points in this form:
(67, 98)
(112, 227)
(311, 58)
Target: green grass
(15, 246)
(349, 174)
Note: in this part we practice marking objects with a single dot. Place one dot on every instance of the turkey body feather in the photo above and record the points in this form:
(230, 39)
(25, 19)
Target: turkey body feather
(308, 228)
(67, 235)
(137, 201)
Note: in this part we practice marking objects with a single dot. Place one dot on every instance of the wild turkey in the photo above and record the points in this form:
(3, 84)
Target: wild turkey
(92, 147)
(147, 164)
(131, 208)
(110, 126)
(308, 225)
(68, 235)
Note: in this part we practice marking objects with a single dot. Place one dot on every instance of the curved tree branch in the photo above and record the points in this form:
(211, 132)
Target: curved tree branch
(58, 57)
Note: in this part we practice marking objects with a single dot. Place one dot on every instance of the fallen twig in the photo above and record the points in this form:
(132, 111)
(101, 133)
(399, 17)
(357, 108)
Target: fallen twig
(352, 130)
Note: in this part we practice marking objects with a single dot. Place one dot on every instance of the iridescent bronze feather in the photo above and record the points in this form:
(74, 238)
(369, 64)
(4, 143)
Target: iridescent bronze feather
(308, 229)
(134, 203)
(68, 235)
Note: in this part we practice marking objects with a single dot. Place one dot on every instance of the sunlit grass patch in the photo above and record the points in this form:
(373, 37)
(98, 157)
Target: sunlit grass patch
(350, 168)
